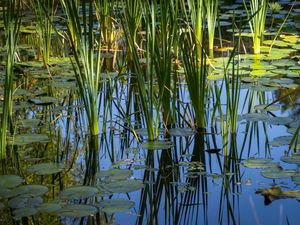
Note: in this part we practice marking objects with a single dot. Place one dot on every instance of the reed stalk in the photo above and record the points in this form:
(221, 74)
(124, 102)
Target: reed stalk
(44, 13)
(196, 75)
(86, 63)
(257, 20)
(12, 20)
(211, 7)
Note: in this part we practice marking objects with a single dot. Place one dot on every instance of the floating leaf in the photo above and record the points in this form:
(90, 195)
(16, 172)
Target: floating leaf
(44, 100)
(266, 107)
(144, 132)
(277, 173)
(78, 192)
(48, 207)
(76, 211)
(275, 192)
(181, 132)
(116, 205)
(259, 163)
(281, 140)
(156, 145)
(46, 168)
(24, 139)
(255, 117)
(123, 186)
(24, 212)
(29, 123)
(293, 159)
(279, 120)
(30, 190)
(10, 181)
(115, 174)
(22, 202)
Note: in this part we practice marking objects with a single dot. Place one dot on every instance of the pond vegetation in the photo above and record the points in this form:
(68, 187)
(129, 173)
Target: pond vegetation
(149, 112)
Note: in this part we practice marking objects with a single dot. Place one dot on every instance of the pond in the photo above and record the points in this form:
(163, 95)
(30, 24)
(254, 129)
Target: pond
(150, 112)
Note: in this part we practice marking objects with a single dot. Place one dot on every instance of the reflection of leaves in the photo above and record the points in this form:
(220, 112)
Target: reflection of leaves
(275, 192)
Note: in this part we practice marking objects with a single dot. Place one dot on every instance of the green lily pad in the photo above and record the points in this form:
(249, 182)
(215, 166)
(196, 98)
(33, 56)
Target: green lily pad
(144, 132)
(296, 179)
(48, 207)
(156, 145)
(266, 107)
(30, 190)
(260, 163)
(122, 186)
(78, 192)
(255, 117)
(24, 139)
(115, 174)
(279, 120)
(29, 123)
(116, 205)
(22, 202)
(44, 100)
(76, 211)
(181, 132)
(281, 140)
(24, 212)
(10, 181)
(46, 168)
(277, 173)
(293, 159)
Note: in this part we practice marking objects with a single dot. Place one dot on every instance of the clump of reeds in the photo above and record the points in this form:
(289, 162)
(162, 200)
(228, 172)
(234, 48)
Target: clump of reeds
(257, 20)
(12, 21)
(86, 51)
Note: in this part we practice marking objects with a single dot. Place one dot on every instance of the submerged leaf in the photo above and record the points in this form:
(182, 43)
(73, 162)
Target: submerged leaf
(46, 168)
(116, 205)
(76, 211)
(78, 192)
(10, 181)
(156, 145)
(277, 173)
(259, 163)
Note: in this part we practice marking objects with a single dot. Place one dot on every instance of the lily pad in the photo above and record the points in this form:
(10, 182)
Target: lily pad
(260, 163)
(24, 212)
(123, 186)
(116, 205)
(115, 174)
(10, 181)
(281, 140)
(78, 192)
(279, 120)
(156, 145)
(30, 190)
(277, 173)
(2, 206)
(43, 101)
(255, 117)
(144, 132)
(48, 207)
(77, 210)
(24, 139)
(22, 202)
(181, 132)
(266, 107)
(46, 168)
(275, 192)
(293, 159)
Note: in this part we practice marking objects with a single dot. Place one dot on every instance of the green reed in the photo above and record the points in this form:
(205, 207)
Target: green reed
(211, 7)
(44, 13)
(144, 76)
(196, 74)
(86, 63)
(164, 38)
(12, 21)
(257, 21)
